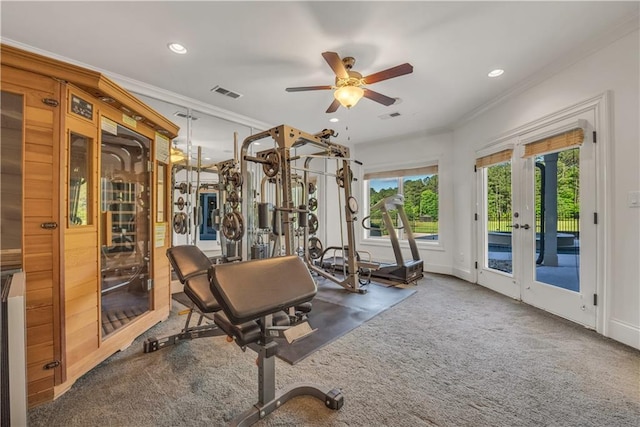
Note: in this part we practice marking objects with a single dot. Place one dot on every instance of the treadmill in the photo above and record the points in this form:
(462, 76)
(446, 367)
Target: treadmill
(402, 271)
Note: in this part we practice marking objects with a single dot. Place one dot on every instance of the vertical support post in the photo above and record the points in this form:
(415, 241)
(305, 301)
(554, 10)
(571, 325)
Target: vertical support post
(551, 210)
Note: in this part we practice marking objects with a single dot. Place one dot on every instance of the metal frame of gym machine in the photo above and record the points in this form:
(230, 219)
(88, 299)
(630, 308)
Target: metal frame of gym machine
(280, 159)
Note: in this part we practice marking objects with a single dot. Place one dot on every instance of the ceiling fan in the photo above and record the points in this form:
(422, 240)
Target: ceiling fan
(349, 84)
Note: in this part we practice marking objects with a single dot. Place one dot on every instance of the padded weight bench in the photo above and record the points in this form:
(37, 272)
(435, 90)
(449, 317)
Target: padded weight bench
(191, 266)
(251, 293)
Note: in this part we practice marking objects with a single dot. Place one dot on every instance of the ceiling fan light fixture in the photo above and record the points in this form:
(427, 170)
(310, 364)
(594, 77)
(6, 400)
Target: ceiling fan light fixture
(348, 96)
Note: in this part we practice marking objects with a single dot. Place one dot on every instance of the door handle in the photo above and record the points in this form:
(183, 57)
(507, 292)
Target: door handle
(49, 225)
(525, 226)
(516, 226)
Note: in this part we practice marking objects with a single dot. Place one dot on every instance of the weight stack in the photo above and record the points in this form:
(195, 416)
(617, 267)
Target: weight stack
(259, 251)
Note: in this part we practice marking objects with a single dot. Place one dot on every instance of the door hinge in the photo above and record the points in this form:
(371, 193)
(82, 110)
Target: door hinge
(475, 216)
(476, 265)
(52, 365)
(475, 168)
(595, 299)
(595, 217)
(50, 102)
(594, 137)
(149, 284)
(150, 166)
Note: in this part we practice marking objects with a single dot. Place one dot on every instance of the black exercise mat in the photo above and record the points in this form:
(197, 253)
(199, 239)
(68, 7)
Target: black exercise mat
(337, 311)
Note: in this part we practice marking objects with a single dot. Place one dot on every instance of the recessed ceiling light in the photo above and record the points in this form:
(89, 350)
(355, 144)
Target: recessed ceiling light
(495, 73)
(256, 143)
(207, 158)
(334, 119)
(177, 48)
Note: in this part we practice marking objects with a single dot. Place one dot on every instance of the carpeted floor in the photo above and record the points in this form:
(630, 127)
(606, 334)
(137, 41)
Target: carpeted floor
(454, 354)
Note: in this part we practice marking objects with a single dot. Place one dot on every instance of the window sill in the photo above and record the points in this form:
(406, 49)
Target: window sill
(434, 245)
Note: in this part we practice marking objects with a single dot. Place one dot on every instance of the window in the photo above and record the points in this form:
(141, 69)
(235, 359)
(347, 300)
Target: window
(79, 179)
(419, 187)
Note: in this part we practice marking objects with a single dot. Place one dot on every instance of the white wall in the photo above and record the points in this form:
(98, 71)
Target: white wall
(614, 68)
(414, 151)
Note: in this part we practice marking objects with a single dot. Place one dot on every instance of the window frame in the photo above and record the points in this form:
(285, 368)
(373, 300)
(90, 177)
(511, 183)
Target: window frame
(402, 174)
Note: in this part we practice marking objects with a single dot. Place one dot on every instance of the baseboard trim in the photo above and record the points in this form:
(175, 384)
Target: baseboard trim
(463, 274)
(439, 269)
(624, 333)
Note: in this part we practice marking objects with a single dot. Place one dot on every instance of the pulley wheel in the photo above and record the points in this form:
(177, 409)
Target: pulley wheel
(233, 226)
(233, 199)
(313, 204)
(180, 203)
(315, 248)
(313, 223)
(180, 223)
(235, 178)
(341, 178)
(272, 165)
(182, 187)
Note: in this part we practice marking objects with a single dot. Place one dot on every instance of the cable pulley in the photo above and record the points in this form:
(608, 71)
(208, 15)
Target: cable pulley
(315, 248)
(235, 179)
(180, 203)
(342, 176)
(313, 223)
(233, 226)
(313, 204)
(180, 222)
(233, 199)
(271, 166)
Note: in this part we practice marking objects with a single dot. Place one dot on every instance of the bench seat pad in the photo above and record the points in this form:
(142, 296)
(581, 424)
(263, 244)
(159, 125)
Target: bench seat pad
(253, 289)
(198, 290)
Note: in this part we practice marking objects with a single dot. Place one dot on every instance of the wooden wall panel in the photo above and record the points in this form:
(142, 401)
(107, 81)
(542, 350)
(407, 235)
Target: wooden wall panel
(40, 204)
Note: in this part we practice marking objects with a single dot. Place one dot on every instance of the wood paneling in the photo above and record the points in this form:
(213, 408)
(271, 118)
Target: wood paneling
(40, 204)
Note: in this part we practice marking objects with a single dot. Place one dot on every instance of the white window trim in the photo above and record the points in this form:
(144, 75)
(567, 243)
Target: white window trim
(365, 239)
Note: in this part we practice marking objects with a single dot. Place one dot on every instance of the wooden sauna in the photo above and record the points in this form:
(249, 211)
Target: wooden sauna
(94, 214)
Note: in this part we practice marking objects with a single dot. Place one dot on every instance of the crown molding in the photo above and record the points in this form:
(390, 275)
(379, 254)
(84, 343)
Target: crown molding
(150, 90)
(595, 44)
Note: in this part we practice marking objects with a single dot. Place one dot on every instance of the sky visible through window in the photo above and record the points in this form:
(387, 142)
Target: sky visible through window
(379, 184)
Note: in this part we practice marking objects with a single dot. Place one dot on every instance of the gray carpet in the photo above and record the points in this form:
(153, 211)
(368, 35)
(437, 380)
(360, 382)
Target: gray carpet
(454, 354)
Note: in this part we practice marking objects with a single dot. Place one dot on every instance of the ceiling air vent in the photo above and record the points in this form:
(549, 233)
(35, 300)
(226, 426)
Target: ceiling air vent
(184, 115)
(226, 92)
(389, 116)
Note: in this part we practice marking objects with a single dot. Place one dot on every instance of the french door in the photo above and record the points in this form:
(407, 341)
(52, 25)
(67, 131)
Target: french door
(537, 221)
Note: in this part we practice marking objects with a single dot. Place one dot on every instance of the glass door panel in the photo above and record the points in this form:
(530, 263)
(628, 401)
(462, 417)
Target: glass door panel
(125, 241)
(498, 203)
(557, 211)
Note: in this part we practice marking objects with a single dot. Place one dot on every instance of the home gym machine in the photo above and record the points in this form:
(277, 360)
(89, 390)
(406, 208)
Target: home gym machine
(402, 271)
(291, 216)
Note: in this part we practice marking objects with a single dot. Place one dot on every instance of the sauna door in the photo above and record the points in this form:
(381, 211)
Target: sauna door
(125, 239)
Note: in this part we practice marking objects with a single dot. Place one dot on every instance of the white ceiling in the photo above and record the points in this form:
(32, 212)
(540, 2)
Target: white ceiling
(259, 48)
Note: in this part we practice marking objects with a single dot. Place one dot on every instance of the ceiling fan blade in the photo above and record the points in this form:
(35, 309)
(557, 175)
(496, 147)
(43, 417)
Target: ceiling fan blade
(303, 88)
(378, 97)
(334, 106)
(389, 73)
(336, 64)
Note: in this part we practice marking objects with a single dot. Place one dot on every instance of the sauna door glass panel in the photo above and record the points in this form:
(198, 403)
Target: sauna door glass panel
(125, 238)
(79, 185)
